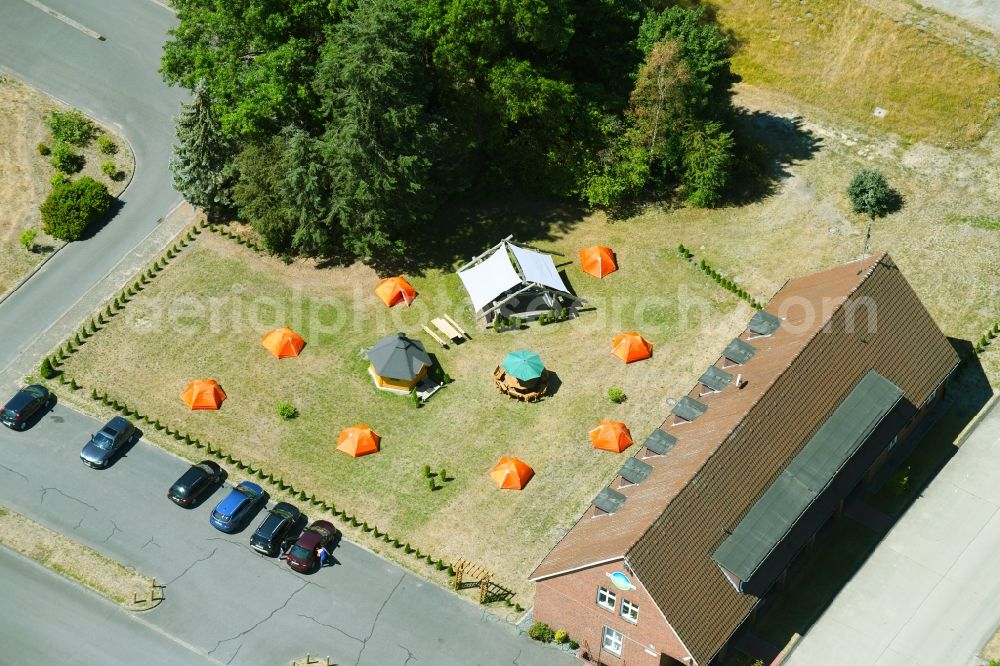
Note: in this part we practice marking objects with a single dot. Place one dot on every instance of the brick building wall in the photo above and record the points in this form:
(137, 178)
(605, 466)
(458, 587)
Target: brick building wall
(569, 602)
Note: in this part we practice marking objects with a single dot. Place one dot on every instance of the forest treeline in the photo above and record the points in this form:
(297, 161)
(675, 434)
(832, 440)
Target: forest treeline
(338, 127)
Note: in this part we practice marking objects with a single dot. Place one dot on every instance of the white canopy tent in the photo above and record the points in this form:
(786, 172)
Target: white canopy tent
(487, 280)
(495, 277)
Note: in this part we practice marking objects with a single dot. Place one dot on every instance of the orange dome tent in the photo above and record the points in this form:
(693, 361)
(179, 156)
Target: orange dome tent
(358, 441)
(395, 290)
(283, 342)
(598, 260)
(631, 347)
(511, 473)
(611, 436)
(203, 394)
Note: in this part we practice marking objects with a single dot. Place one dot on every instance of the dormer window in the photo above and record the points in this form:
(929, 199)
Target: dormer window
(713, 380)
(762, 324)
(687, 409)
(658, 443)
(737, 352)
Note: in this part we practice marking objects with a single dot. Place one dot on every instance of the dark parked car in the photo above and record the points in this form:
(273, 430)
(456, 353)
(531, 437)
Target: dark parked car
(107, 443)
(238, 507)
(279, 522)
(193, 483)
(302, 556)
(26, 403)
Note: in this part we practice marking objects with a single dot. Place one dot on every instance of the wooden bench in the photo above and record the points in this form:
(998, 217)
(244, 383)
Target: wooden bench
(436, 338)
(457, 327)
(447, 329)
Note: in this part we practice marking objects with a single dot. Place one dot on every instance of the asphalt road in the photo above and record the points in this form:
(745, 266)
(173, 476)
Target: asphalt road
(80, 627)
(115, 81)
(221, 597)
(927, 595)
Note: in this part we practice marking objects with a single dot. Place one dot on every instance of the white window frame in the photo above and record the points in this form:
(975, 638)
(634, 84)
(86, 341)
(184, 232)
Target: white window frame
(610, 639)
(630, 611)
(609, 597)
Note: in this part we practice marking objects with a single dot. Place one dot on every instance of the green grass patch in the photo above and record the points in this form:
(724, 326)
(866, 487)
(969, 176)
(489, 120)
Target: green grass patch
(991, 222)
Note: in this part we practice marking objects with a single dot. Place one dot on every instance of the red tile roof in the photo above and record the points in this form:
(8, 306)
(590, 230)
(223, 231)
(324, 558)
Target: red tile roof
(725, 459)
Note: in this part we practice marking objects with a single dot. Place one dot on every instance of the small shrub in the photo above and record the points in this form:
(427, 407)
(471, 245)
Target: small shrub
(561, 636)
(73, 385)
(28, 239)
(65, 160)
(43, 149)
(431, 485)
(71, 208)
(427, 471)
(616, 395)
(106, 145)
(415, 398)
(540, 631)
(46, 370)
(112, 171)
(573, 645)
(58, 178)
(899, 482)
(71, 127)
(443, 474)
(286, 410)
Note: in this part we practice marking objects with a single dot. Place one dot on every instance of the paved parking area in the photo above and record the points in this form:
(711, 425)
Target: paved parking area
(223, 600)
(929, 595)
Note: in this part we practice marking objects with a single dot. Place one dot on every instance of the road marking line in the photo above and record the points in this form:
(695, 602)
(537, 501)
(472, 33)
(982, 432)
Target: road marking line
(67, 20)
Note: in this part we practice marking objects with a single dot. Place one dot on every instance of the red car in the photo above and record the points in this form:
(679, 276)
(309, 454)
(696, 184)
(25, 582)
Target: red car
(302, 556)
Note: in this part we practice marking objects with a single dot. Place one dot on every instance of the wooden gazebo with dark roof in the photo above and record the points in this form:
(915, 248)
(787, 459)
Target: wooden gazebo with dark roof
(825, 342)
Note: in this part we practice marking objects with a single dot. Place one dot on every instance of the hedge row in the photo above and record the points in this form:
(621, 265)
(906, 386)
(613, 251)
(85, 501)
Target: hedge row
(240, 240)
(113, 308)
(725, 282)
(269, 477)
(987, 339)
(50, 364)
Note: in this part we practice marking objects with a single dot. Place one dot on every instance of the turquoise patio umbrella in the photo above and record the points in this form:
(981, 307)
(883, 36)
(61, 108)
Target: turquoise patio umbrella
(523, 365)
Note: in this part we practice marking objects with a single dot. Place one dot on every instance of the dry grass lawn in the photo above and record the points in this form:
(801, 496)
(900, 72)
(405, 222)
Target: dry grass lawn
(204, 316)
(24, 174)
(72, 559)
(850, 56)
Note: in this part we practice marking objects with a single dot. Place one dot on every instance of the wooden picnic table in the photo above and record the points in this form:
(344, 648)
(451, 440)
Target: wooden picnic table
(446, 328)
